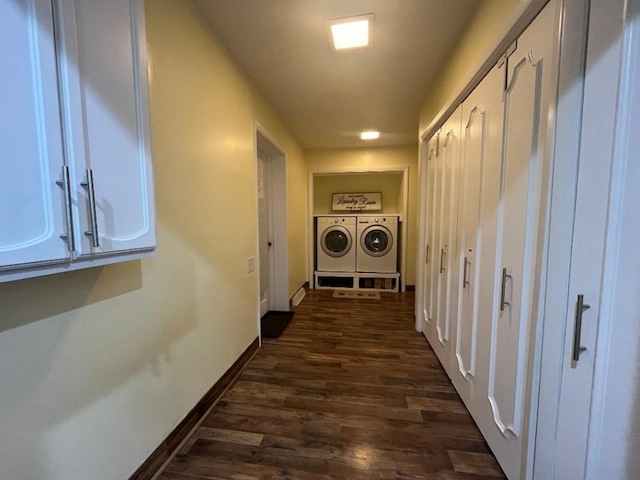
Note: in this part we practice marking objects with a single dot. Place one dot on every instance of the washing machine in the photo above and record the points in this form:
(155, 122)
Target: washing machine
(336, 245)
(377, 250)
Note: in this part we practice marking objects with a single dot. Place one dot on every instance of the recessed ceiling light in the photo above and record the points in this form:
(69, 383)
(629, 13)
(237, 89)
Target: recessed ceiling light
(352, 32)
(370, 135)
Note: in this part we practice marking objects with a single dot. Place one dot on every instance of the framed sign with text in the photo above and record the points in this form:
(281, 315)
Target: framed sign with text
(357, 202)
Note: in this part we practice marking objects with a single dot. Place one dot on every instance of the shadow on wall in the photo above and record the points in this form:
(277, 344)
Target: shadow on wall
(64, 292)
(78, 374)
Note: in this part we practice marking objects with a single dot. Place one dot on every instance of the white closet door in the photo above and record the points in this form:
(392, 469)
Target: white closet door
(603, 119)
(445, 254)
(106, 93)
(482, 116)
(434, 202)
(428, 294)
(32, 206)
(530, 83)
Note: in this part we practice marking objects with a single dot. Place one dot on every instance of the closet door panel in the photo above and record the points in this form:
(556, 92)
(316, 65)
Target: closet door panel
(471, 203)
(434, 207)
(427, 281)
(479, 186)
(32, 215)
(522, 209)
(445, 262)
(517, 225)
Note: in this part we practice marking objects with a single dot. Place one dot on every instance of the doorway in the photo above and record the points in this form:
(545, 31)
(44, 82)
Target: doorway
(272, 225)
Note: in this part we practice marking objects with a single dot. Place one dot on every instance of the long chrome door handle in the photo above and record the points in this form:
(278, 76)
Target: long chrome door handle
(465, 282)
(581, 307)
(503, 290)
(65, 184)
(93, 212)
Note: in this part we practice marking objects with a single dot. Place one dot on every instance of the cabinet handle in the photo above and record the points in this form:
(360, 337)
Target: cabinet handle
(427, 255)
(93, 213)
(503, 290)
(442, 255)
(581, 307)
(65, 184)
(465, 282)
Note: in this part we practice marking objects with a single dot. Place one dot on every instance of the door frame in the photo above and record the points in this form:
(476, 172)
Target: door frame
(276, 171)
(421, 222)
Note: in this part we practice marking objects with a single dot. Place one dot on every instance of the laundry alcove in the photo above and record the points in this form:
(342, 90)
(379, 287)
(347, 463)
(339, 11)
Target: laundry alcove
(392, 183)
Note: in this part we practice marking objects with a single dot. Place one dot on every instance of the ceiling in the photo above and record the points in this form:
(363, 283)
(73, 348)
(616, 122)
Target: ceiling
(326, 97)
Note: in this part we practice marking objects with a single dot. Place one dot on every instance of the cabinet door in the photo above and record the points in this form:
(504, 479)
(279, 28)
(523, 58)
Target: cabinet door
(482, 115)
(32, 212)
(521, 212)
(108, 127)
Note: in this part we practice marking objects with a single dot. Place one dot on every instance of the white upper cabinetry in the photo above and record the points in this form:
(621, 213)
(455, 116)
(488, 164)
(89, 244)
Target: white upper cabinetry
(32, 206)
(78, 115)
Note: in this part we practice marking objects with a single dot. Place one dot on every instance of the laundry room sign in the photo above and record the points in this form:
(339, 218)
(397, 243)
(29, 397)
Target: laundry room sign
(345, 202)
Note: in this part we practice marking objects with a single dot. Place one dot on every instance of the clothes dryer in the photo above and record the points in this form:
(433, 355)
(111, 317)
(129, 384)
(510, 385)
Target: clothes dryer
(336, 249)
(377, 250)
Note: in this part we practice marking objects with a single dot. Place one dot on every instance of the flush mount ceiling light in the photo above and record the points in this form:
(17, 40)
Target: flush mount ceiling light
(369, 135)
(352, 32)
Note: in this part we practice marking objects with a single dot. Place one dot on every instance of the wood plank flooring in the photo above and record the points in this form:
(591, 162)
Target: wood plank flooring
(349, 391)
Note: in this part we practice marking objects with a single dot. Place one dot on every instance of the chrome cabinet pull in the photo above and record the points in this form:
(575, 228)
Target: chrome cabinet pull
(581, 307)
(65, 184)
(465, 282)
(428, 254)
(93, 213)
(503, 290)
(442, 255)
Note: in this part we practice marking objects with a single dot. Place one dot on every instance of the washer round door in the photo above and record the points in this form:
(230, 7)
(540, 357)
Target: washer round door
(376, 241)
(336, 241)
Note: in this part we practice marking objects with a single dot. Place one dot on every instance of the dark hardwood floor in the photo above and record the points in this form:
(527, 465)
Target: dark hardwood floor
(349, 391)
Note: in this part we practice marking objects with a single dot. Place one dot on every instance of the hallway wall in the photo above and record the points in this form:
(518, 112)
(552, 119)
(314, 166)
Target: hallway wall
(487, 28)
(336, 159)
(98, 366)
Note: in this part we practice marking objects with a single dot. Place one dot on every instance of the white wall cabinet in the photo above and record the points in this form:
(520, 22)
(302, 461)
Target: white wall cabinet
(487, 221)
(107, 121)
(80, 90)
(32, 206)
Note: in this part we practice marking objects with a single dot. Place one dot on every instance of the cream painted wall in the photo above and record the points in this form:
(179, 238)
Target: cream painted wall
(98, 366)
(489, 26)
(361, 159)
(389, 184)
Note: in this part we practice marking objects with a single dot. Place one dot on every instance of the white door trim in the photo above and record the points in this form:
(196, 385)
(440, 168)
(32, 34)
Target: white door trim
(421, 225)
(603, 136)
(613, 430)
(277, 192)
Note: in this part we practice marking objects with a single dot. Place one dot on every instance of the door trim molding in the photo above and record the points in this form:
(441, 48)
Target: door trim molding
(277, 167)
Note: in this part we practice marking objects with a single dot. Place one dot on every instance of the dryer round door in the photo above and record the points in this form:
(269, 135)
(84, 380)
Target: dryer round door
(376, 241)
(336, 241)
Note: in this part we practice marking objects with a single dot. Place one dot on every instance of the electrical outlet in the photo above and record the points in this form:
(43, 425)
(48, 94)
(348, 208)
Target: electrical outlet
(251, 264)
